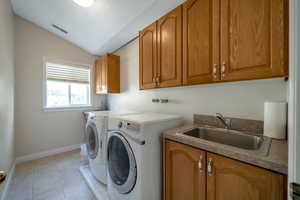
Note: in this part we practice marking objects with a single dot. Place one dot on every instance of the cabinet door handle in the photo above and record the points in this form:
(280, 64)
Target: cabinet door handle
(158, 79)
(210, 167)
(215, 71)
(223, 69)
(200, 163)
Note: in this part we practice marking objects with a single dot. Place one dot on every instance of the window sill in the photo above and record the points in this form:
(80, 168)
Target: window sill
(62, 109)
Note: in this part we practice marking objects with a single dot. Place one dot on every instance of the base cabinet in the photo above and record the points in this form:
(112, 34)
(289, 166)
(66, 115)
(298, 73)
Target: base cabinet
(193, 174)
(184, 172)
(234, 180)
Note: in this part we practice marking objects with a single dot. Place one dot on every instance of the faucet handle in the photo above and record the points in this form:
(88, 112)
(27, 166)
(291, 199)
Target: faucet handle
(219, 115)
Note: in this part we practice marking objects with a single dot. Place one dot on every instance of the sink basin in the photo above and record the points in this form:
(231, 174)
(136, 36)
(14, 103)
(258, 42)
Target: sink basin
(259, 144)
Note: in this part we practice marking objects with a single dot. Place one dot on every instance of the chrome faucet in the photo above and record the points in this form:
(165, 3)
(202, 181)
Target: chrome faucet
(226, 122)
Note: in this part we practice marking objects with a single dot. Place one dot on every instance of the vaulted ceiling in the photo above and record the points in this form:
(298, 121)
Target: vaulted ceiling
(101, 28)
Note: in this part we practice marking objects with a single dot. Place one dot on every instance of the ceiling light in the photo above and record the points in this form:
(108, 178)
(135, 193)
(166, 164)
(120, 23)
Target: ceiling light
(84, 3)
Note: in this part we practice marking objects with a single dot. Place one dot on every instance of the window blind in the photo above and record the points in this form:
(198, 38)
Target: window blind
(67, 73)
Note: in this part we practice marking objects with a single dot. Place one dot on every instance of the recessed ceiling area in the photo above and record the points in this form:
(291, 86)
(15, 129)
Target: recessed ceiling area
(100, 28)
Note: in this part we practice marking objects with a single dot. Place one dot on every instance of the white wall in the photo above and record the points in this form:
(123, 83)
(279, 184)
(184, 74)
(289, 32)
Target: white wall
(236, 99)
(37, 130)
(7, 70)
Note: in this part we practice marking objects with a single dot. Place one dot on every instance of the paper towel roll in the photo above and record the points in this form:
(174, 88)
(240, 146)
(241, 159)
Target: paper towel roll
(275, 120)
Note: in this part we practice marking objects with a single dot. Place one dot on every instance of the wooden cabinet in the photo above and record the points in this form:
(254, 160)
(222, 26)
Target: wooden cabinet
(253, 39)
(184, 172)
(160, 52)
(194, 174)
(169, 49)
(200, 41)
(234, 180)
(221, 40)
(107, 74)
(148, 57)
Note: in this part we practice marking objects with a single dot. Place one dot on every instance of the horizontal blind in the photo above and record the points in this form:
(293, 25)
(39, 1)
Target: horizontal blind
(67, 73)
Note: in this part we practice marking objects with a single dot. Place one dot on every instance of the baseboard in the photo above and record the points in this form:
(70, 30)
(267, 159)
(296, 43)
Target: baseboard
(46, 153)
(8, 182)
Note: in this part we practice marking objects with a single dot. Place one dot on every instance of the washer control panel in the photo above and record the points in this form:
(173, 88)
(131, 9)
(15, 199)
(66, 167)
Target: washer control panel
(129, 126)
(132, 126)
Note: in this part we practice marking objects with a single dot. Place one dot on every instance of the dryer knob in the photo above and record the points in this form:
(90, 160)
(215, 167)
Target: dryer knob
(120, 124)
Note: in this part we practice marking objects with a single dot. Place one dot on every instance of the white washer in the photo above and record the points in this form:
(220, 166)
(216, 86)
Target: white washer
(96, 138)
(134, 152)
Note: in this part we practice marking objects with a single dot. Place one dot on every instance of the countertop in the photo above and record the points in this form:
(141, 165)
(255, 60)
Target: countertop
(277, 159)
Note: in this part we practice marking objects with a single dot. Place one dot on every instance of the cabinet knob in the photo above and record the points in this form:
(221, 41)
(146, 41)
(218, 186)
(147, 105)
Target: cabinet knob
(158, 79)
(215, 70)
(200, 163)
(223, 69)
(210, 167)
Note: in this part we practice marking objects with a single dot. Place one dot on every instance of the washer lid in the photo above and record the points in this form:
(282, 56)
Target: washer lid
(148, 118)
(110, 113)
(122, 167)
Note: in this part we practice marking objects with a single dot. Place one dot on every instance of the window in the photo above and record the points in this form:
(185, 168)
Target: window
(67, 86)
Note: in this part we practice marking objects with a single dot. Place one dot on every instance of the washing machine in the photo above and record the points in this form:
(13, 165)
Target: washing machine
(96, 139)
(134, 153)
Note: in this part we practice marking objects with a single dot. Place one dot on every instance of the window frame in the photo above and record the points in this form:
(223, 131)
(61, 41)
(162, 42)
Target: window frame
(71, 107)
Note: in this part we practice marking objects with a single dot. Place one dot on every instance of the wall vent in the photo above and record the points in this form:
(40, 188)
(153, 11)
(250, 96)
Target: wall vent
(60, 29)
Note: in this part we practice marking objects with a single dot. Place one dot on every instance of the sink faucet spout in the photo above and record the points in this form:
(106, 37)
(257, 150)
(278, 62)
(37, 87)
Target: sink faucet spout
(226, 122)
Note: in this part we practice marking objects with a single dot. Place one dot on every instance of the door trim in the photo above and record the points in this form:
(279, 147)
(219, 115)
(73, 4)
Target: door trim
(293, 90)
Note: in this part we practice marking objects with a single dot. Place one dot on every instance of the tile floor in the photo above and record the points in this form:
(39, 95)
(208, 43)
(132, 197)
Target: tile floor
(52, 178)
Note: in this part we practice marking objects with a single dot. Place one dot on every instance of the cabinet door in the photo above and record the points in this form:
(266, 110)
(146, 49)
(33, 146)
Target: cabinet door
(99, 76)
(253, 39)
(148, 57)
(234, 180)
(103, 71)
(201, 37)
(113, 73)
(169, 39)
(184, 172)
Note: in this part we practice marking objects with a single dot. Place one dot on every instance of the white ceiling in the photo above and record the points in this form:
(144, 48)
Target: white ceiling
(101, 28)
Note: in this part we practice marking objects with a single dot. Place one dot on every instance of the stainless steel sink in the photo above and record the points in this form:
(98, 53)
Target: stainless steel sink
(259, 144)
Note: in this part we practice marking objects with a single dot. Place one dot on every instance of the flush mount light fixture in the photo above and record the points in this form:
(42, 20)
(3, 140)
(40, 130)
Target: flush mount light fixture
(84, 3)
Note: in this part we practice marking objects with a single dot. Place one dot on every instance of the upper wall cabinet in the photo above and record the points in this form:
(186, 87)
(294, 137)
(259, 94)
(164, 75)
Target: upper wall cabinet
(161, 52)
(253, 39)
(169, 49)
(200, 41)
(208, 41)
(148, 57)
(107, 74)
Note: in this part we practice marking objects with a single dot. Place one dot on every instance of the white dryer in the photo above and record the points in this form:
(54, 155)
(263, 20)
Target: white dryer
(96, 138)
(134, 155)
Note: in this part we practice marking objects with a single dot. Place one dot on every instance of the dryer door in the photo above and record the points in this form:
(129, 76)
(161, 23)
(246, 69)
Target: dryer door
(92, 139)
(122, 167)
